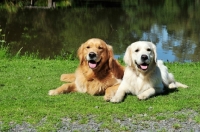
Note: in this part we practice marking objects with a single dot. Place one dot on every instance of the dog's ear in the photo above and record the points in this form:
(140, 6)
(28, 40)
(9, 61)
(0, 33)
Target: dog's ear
(80, 53)
(110, 51)
(154, 51)
(127, 56)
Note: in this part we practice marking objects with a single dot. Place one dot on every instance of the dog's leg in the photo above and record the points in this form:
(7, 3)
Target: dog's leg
(68, 77)
(172, 85)
(146, 94)
(65, 88)
(119, 96)
(169, 81)
(110, 92)
(176, 85)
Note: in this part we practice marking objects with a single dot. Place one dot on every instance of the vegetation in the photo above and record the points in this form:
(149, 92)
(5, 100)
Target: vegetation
(14, 5)
(26, 80)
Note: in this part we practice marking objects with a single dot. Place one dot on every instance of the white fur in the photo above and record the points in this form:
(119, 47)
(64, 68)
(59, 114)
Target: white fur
(140, 82)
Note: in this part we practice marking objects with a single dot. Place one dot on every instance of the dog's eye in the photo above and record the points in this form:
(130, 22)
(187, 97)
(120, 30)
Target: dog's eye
(148, 49)
(88, 47)
(136, 50)
(100, 47)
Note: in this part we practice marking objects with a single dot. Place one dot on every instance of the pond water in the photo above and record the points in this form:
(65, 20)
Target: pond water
(174, 26)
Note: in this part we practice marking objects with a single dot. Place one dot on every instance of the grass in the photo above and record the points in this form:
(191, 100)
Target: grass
(25, 82)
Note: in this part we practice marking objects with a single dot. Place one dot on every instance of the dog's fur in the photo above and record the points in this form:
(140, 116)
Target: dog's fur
(98, 72)
(144, 76)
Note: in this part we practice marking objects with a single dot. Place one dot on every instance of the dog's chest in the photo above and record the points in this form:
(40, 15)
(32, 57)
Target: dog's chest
(138, 84)
(95, 86)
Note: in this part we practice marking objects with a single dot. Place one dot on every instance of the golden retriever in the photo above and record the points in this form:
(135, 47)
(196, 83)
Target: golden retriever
(98, 72)
(144, 76)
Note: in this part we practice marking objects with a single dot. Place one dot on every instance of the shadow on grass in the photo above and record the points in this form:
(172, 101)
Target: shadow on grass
(167, 91)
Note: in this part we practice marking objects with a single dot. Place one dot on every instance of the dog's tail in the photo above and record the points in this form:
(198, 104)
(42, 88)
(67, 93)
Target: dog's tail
(176, 85)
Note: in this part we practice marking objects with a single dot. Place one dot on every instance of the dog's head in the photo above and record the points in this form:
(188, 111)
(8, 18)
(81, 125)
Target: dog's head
(95, 53)
(141, 56)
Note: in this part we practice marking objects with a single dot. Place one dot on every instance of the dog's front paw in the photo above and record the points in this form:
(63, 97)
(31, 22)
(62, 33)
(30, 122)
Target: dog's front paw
(116, 100)
(142, 97)
(172, 86)
(53, 92)
(107, 97)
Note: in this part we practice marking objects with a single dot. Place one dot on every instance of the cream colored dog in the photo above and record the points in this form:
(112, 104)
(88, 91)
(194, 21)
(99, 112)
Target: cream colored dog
(144, 76)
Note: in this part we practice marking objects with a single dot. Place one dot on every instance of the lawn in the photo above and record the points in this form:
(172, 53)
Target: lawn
(25, 82)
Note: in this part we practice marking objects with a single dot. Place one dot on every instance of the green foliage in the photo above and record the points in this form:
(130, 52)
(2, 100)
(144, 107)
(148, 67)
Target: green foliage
(3, 49)
(120, 59)
(2, 39)
(10, 6)
(66, 55)
(13, 5)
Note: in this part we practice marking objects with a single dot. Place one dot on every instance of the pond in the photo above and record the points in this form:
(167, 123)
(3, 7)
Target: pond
(172, 25)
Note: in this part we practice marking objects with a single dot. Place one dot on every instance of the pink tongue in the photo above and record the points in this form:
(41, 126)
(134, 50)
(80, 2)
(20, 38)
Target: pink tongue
(92, 65)
(143, 67)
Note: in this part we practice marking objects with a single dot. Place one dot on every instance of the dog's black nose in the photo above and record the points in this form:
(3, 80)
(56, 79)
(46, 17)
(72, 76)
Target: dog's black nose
(144, 57)
(92, 55)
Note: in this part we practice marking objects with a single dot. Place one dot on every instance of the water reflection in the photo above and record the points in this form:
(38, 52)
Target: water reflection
(172, 25)
(168, 44)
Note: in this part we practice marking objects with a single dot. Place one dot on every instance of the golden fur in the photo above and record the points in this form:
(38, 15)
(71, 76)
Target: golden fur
(98, 72)
(144, 76)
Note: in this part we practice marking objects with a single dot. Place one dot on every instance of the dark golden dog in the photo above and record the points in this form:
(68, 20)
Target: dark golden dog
(98, 72)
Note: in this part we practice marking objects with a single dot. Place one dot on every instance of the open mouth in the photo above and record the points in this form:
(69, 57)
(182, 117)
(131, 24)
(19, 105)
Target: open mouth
(93, 64)
(143, 66)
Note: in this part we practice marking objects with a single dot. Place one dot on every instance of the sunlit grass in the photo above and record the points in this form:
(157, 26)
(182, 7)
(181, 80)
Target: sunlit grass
(24, 84)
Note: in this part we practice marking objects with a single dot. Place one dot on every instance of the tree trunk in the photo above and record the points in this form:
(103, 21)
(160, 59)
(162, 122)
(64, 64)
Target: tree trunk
(32, 2)
(50, 3)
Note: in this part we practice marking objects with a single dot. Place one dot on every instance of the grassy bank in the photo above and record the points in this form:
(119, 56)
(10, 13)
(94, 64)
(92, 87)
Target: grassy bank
(25, 81)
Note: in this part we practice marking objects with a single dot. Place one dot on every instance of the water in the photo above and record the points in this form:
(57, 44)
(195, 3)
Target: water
(174, 26)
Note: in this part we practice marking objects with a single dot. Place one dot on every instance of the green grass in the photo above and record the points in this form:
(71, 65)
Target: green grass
(25, 82)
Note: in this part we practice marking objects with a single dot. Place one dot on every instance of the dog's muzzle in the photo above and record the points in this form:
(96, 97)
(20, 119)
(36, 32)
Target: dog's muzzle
(144, 65)
(93, 60)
